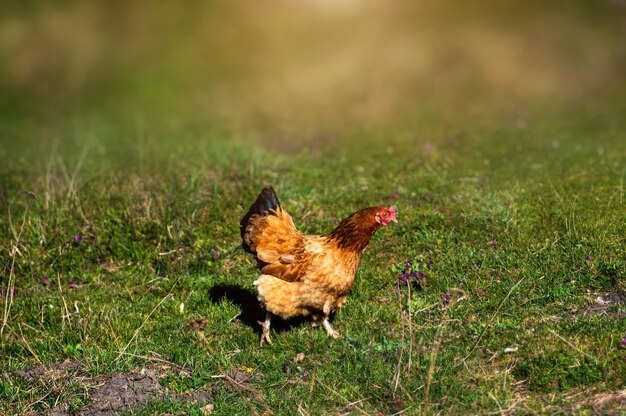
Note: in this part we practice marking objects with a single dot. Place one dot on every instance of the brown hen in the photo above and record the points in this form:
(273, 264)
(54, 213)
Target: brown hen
(305, 274)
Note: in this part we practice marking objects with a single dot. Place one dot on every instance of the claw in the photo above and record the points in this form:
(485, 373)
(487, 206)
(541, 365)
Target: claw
(265, 336)
(329, 329)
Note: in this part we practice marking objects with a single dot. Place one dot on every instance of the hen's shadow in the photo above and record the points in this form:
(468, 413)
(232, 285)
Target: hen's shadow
(251, 310)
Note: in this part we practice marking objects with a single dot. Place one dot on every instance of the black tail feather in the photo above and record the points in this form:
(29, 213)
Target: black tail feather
(265, 203)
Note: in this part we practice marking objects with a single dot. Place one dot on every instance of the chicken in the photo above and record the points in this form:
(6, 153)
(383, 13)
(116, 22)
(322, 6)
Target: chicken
(305, 274)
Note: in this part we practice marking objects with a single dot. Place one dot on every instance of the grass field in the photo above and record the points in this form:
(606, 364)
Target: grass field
(134, 138)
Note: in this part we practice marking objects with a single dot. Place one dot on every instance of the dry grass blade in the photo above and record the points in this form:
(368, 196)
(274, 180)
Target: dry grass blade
(431, 369)
(10, 292)
(482, 333)
(398, 369)
(591, 357)
(336, 393)
(28, 347)
(244, 389)
(146, 320)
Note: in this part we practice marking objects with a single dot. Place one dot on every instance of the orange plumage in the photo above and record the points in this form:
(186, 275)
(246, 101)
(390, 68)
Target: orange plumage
(305, 274)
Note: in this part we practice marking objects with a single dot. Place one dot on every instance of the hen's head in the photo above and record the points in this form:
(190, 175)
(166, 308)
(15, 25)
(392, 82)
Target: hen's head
(354, 232)
(385, 215)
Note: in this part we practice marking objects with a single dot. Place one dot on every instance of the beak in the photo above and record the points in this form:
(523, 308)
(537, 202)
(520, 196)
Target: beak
(394, 220)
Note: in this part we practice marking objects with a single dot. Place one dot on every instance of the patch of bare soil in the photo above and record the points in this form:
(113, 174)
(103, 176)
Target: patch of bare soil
(115, 393)
(52, 371)
(609, 400)
(123, 391)
(605, 304)
(593, 403)
(586, 401)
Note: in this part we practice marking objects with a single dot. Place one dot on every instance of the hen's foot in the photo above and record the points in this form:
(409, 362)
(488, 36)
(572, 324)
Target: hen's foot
(265, 336)
(329, 329)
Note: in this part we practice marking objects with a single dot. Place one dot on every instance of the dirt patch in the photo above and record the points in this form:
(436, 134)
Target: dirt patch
(52, 371)
(576, 401)
(606, 304)
(585, 401)
(123, 391)
(115, 393)
(608, 401)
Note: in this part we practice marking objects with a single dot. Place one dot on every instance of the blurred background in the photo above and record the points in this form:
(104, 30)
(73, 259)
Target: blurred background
(295, 74)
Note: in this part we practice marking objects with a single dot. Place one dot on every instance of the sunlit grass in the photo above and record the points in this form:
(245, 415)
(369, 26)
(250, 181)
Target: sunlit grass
(122, 193)
(153, 239)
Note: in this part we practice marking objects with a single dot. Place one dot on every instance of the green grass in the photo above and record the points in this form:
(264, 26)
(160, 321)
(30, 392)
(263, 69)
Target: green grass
(156, 238)
(154, 190)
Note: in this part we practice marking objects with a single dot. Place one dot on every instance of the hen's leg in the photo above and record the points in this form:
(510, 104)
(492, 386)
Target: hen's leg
(329, 328)
(326, 323)
(265, 336)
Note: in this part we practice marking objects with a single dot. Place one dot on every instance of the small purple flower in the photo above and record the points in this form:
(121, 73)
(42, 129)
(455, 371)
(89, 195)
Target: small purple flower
(494, 242)
(447, 297)
(404, 277)
(389, 334)
(578, 266)
(417, 274)
(588, 257)
(410, 273)
(304, 376)
(622, 343)
(78, 238)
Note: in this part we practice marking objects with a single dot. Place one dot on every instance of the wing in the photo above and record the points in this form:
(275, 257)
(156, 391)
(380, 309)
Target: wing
(279, 246)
